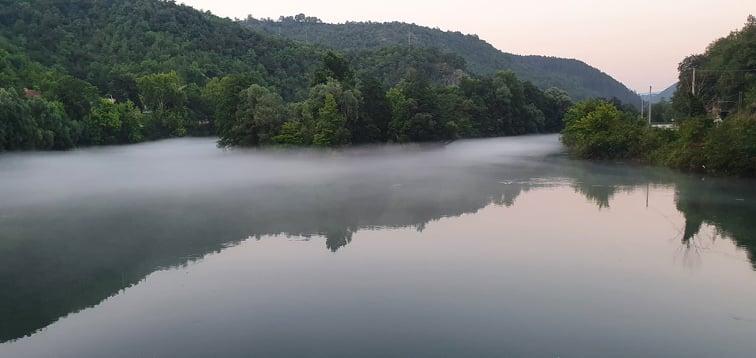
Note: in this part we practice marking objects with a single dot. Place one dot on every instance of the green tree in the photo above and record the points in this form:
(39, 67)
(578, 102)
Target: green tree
(16, 127)
(415, 111)
(222, 98)
(257, 120)
(54, 129)
(163, 97)
(730, 148)
(330, 125)
(455, 113)
(103, 124)
(374, 115)
(336, 67)
(598, 130)
(110, 122)
(291, 133)
(34, 123)
(132, 123)
(76, 95)
(557, 104)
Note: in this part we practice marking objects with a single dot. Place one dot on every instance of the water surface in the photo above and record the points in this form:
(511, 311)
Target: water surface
(499, 247)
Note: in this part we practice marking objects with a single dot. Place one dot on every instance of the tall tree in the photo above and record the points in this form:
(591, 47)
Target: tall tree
(330, 126)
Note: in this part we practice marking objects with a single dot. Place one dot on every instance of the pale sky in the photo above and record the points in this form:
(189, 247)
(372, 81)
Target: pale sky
(638, 42)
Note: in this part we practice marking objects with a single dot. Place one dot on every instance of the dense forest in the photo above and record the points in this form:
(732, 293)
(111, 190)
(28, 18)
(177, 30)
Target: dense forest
(580, 80)
(108, 72)
(84, 73)
(715, 116)
(348, 106)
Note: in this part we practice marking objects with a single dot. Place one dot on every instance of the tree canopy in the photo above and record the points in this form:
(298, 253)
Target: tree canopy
(110, 72)
(578, 79)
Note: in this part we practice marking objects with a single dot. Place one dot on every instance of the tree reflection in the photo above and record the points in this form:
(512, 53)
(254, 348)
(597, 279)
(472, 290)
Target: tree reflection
(85, 251)
(729, 205)
(338, 239)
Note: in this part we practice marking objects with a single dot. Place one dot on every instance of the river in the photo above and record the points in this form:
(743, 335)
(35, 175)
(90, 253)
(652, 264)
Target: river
(480, 248)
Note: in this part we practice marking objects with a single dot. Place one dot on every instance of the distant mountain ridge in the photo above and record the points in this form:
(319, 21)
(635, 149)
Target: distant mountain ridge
(665, 95)
(576, 77)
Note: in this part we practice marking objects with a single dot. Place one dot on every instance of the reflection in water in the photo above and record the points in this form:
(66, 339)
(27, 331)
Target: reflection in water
(727, 204)
(79, 227)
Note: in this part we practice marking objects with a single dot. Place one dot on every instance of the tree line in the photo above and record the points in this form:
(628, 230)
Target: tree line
(91, 73)
(345, 107)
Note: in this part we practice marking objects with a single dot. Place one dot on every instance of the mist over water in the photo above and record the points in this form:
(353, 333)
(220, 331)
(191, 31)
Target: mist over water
(195, 166)
(480, 248)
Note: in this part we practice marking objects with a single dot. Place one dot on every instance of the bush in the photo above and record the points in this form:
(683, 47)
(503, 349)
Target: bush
(598, 130)
(730, 148)
(687, 151)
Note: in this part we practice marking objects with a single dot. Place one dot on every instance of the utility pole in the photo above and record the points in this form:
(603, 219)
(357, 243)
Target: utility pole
(650, 88)
(643, 106)
(693, 82)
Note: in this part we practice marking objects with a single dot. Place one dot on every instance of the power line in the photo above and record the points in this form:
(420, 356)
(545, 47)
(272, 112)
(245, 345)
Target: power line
(695, 71)
(751, 70)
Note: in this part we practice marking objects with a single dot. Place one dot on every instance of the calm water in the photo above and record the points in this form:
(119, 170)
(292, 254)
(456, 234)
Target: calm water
(494, 248)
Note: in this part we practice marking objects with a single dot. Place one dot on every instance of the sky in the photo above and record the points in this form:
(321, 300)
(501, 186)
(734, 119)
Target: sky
(638, 42)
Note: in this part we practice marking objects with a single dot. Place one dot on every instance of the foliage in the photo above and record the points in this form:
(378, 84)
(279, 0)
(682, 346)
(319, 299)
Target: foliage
(336, 67)
(163, 98)
(730, 148)
(725, 76)
(221, 95)
(727, 148)
(110, 72)
(663, 112)
(598, 130)
(256, 121)
(110, 123)
(330, 125)
(371, 125)
(580, 80)
(715, 127)
(390, 65)
(291, 133)
(33, 123)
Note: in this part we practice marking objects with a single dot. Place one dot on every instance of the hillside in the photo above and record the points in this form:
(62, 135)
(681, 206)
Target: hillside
(80, 72)
(725, 76)
(577, 78)
(107, 43)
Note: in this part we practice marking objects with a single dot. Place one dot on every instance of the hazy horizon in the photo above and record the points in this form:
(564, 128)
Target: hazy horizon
(601, 33)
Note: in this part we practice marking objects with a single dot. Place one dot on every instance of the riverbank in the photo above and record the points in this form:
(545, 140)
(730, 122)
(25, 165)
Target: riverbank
(599, 130)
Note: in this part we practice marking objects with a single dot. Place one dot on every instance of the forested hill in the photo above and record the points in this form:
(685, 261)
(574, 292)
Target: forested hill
(82, 72)
(577, 78)
(110, 43)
